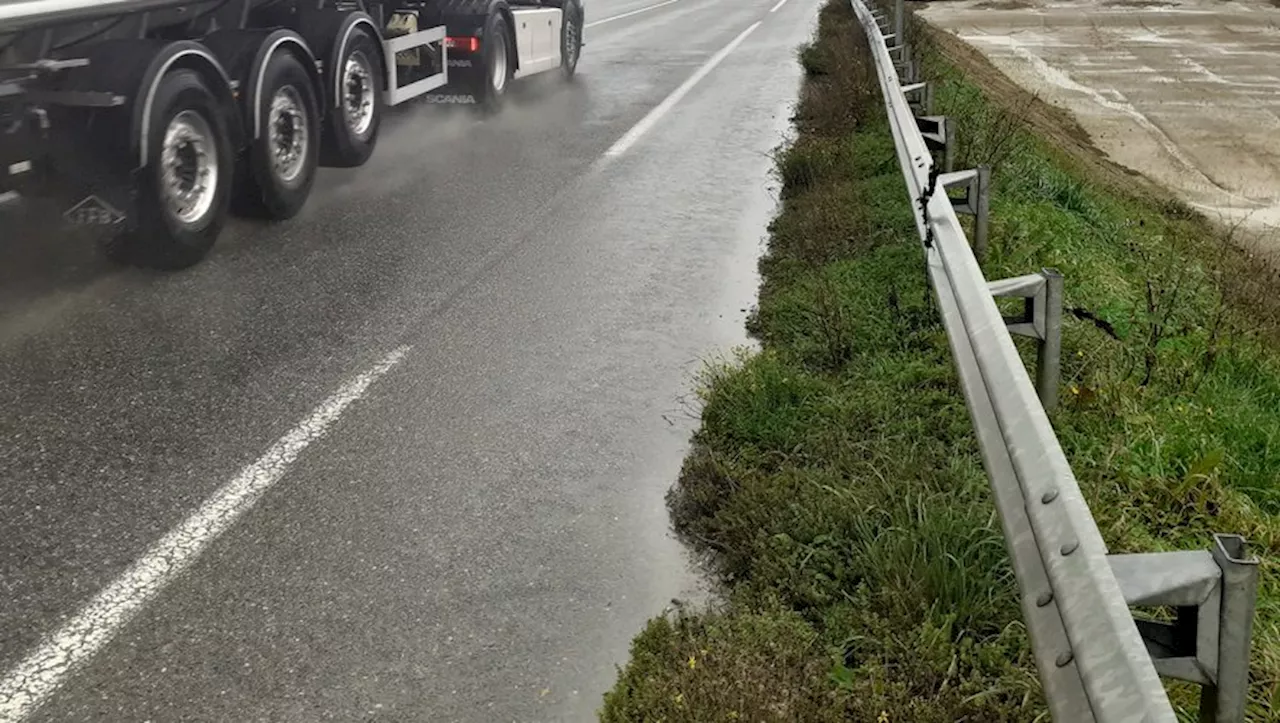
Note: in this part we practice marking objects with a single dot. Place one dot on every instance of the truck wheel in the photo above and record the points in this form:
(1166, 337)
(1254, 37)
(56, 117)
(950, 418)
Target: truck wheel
(279, 167)
(570, 40)
(496, 73)
(183, 192)
(352, 127)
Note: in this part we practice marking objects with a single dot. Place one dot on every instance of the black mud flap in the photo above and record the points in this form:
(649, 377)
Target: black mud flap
(447, 96)
(92, 181)
(92, 192)
(96, 213)
(464, 73)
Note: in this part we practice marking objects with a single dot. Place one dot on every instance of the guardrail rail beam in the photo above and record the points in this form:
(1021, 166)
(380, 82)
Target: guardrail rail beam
(1096, 663)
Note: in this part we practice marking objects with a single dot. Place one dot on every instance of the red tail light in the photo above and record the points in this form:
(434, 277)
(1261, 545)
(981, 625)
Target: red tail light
(467, 44)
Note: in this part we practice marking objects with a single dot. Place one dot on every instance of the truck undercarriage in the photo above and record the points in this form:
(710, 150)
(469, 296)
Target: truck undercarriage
(152, 120)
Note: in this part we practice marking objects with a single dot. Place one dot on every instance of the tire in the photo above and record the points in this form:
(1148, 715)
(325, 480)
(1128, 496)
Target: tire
(116, 247)
(570, 40)
(184, 191)
(277, 171)
(496, 67)
(351, 127)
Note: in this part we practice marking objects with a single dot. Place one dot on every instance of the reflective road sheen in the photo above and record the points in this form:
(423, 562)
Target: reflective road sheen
(476, 533)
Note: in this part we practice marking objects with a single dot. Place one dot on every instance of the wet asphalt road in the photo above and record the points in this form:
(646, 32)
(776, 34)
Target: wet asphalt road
(480, 532)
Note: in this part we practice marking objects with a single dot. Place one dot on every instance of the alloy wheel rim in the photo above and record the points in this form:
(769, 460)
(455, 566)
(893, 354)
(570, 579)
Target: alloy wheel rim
(500, 65)
(357, 83)
(289, 136)
(189, 168)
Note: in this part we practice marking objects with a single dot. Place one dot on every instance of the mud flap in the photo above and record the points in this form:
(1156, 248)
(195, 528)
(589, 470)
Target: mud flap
(460, 88)
(92, 192)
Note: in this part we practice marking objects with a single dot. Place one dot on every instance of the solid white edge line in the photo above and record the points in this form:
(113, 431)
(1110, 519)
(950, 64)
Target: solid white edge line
(628, 14)
(778, 7)
(653, 116)
(30, 683)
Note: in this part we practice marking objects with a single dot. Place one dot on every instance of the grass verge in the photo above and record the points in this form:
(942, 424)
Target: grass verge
(835, 482)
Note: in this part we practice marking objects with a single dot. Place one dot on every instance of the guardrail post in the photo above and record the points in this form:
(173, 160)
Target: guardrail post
(939, 135)
(1041, 320)
(949, 150)
(1214, 594)
(923, 95)
(976, 203)
(1225, 702)
(900, 21)
(982, 213)
(902, 63)
(1049, 358)
(916, 95)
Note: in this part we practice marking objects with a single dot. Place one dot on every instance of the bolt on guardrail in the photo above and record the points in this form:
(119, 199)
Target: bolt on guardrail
(1096, 662)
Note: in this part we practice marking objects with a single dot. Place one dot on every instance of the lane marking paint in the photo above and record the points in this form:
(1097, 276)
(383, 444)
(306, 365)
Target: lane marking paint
(31, 682)
(628, 14)
(778, 7)
(653, 116)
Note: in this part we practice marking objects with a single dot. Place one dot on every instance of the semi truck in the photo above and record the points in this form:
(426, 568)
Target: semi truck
(154, 120)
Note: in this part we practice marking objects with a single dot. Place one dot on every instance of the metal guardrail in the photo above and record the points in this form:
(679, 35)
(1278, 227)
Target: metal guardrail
(1096, 662)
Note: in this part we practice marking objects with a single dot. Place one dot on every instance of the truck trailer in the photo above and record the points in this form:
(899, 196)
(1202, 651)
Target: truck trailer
(153, 120)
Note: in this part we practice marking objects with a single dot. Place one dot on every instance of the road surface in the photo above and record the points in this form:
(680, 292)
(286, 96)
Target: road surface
(403, 457)
(1186, 92)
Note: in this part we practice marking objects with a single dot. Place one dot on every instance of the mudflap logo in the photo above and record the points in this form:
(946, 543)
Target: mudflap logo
(462, 99)
(93, 211)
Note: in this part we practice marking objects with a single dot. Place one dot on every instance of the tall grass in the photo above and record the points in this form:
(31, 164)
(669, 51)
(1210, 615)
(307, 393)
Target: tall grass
(1170, 413)
(835, 483)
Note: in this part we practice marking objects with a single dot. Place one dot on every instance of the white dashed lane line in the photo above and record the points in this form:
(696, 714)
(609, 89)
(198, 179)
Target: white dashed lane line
(655, 115)
(30, 683)
(630, 13)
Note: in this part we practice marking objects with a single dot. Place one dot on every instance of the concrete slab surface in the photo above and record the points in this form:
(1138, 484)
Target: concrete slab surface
(1187, 92)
